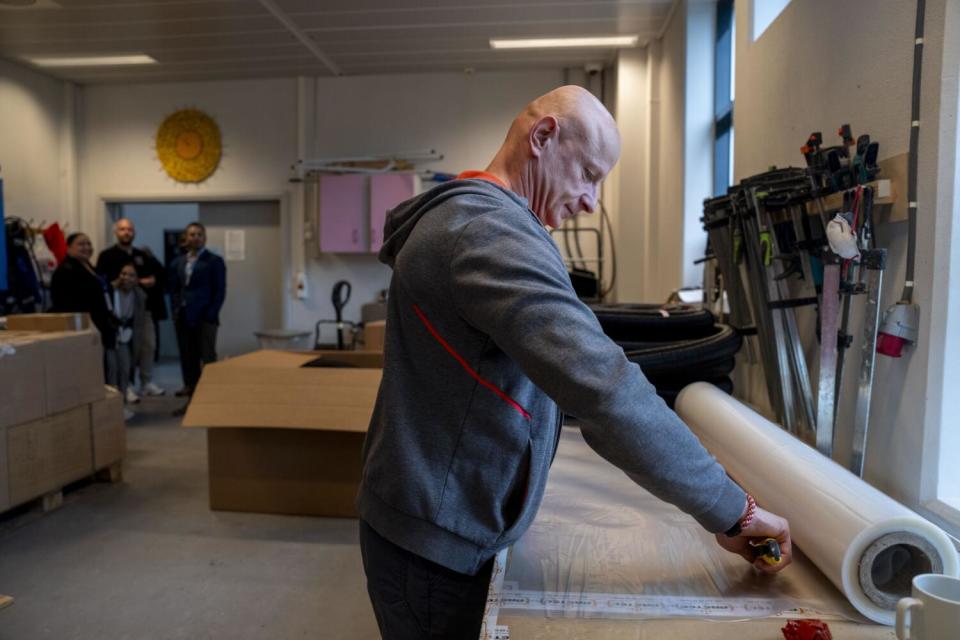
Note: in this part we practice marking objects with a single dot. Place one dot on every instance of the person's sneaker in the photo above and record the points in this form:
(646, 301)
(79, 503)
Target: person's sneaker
(132, 397)
(150, 389)
(184, 392)
(127, 414)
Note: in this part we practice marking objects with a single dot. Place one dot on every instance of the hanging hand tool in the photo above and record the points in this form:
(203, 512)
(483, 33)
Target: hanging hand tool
(340, 297)
(811, 150)
(839, 162)
(829, 320)
(766, 243)
(858, 168)
(873, 262)
(866, 226)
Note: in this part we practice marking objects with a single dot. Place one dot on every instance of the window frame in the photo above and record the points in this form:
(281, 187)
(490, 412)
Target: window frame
(723, 101)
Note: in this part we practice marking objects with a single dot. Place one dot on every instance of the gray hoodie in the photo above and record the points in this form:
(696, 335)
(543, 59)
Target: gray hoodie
(485, 338)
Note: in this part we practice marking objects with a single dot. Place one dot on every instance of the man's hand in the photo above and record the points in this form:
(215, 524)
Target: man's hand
(764, 525)
(148, 282)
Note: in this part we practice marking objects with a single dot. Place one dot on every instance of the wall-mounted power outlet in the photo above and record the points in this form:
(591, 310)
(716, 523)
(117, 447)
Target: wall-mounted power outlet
(300, 285)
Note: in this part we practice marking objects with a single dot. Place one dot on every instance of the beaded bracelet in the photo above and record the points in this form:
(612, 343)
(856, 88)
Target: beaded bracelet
(744, 521)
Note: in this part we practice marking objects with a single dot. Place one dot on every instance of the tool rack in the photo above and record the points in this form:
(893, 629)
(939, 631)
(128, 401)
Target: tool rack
(768, 240)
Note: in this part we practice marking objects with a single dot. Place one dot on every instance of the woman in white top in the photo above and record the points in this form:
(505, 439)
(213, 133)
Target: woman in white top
(129, 309)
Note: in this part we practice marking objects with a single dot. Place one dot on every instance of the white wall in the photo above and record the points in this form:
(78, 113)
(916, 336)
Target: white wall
(463, 116)
(809, 73)
(664, 111)
(628, 186)
(268, 124)
(258, 125)
(36, 145)
(668, 60)
(118, 161)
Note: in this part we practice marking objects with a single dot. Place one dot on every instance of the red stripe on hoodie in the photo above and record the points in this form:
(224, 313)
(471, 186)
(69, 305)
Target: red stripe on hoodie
(463, 363)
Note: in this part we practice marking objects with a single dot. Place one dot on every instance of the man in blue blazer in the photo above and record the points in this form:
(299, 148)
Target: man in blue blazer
(197, 282)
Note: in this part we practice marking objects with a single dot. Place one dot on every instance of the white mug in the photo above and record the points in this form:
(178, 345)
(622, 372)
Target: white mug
(933, 613)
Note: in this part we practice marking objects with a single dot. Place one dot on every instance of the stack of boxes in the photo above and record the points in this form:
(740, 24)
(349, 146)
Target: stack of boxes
(58, 423)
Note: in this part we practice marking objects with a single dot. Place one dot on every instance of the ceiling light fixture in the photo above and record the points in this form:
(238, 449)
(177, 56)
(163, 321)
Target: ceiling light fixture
(92, 61)
(560, 43)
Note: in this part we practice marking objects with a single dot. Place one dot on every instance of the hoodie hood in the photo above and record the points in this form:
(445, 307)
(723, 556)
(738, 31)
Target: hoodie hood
(402, 219)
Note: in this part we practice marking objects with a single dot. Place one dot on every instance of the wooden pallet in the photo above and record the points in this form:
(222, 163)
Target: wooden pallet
(53, 500)
(112, 474)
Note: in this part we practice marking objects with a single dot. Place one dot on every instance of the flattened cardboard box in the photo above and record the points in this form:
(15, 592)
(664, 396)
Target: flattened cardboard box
(108, 429)
(48, 322)
(356, 359)
(22, 379)
(49, 453)
(4, 472)
(73, 368)
(283, 438)
(71, 371)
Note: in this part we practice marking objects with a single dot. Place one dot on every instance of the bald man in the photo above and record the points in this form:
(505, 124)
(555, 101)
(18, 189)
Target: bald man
(150, 275)
(487, 346)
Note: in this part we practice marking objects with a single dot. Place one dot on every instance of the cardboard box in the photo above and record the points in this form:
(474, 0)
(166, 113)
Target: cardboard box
(22, 381)
(4, 472)
(356, 359)
(285, 471)
(283, 438)
(46, 373)
(73, 369)
(374, 334)
(108, 429)
(46, 454)
(49, 322)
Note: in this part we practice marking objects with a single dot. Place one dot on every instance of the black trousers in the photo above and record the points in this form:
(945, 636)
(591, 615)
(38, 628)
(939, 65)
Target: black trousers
(198, 346)
(414, 598)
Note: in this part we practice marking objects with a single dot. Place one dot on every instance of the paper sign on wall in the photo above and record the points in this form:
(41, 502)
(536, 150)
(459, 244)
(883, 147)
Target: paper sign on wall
(236, 241)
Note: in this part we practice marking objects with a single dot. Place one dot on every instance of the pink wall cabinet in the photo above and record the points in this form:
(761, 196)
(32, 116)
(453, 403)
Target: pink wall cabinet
(387, 190)
(343, 213)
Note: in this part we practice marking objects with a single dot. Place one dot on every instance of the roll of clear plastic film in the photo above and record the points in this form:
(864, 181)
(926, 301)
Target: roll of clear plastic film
(867, 544)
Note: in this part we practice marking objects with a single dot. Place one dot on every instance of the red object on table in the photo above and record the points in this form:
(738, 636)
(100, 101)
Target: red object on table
(807, 630)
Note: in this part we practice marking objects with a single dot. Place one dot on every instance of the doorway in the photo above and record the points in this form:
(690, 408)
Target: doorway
(247, 235)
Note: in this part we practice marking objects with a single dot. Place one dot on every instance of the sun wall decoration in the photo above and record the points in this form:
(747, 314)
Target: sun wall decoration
(188, 145)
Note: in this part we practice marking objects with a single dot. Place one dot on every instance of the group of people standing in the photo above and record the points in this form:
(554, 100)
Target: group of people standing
(123, 292)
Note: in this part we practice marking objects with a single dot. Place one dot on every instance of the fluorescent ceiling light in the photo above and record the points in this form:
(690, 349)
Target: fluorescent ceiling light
(557, 43)
(92, 61)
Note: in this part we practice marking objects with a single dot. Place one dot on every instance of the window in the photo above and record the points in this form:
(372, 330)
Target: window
(724, 61)
(939, 471)
(764, 13)
(946, 503)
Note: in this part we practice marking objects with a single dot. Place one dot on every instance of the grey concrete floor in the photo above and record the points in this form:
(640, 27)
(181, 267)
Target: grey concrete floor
(147, 559)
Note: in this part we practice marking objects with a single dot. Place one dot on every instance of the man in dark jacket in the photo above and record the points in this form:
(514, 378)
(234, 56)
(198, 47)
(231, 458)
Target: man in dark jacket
(197, 281)
(152, 279)
(485, 338)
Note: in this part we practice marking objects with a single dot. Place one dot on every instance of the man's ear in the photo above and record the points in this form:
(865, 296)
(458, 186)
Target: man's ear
(542, 131)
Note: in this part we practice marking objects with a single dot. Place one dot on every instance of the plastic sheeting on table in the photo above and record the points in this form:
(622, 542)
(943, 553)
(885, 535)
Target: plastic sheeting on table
(866, 543)
(603, 547)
